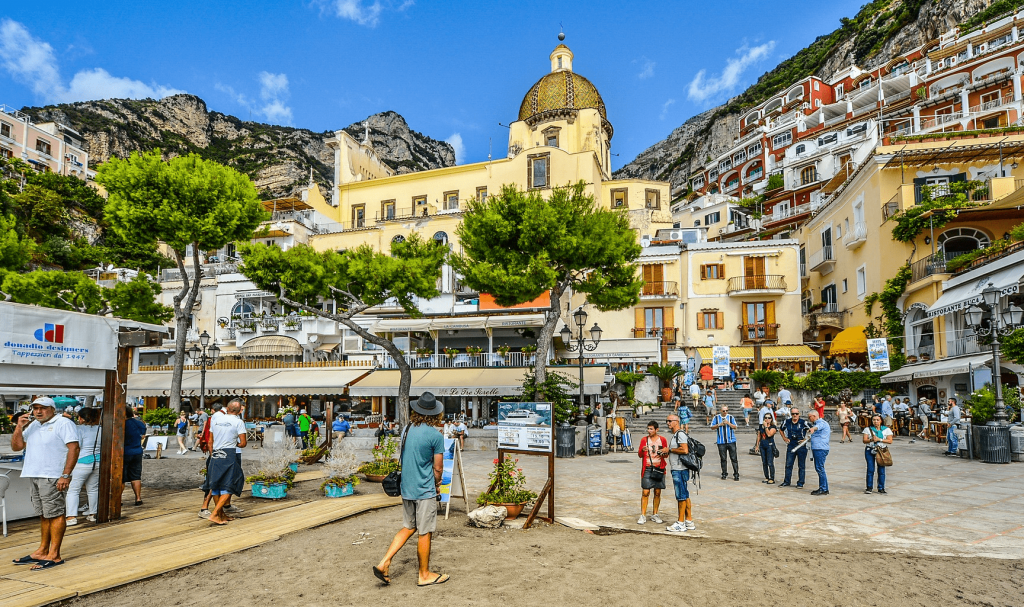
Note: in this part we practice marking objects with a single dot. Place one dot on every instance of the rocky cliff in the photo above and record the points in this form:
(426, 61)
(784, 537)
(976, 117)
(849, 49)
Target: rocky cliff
(882, 30)
(277, 158)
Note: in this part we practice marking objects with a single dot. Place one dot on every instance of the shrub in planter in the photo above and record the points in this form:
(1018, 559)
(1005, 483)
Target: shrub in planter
(340, 471)
(162, 417)
(509, 487)
(384, 462)
(273, 477)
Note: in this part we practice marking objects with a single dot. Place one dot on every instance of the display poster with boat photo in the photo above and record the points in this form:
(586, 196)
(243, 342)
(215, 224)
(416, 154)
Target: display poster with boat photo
(447, 470)
(525, 426)
(878, 354)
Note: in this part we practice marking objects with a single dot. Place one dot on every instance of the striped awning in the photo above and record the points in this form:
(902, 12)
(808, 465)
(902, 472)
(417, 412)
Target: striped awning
(271, 345)
(768, 353)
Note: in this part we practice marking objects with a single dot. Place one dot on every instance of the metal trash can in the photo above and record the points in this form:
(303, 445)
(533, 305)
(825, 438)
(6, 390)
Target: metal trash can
(993, 443)
(565, 441)
(1017, 444)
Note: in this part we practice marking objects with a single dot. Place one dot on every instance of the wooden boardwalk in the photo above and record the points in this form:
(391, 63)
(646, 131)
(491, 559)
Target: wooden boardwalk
(157, 539)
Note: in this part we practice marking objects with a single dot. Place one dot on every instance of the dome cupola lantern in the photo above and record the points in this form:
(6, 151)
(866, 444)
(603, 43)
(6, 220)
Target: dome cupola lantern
(561, 59)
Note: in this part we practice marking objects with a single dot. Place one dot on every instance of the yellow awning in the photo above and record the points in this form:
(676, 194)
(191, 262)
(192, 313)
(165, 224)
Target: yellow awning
(849, 341)
(768, 353)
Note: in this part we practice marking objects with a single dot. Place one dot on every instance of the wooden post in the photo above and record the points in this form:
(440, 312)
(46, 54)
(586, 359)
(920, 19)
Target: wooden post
(112, 438)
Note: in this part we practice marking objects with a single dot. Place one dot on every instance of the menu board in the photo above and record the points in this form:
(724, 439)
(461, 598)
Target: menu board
(525, 426)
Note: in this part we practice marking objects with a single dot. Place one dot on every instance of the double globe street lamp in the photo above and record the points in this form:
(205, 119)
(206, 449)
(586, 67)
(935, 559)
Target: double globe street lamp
(203, 357)
(994, 321)
(580, 344)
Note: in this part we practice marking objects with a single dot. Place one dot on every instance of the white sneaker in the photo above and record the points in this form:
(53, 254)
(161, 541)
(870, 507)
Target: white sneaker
(91, 518)
(656, 519)
(676, 527)
(689, 525)
(204, 513)
(642, 520)
(232, 509)
(71, 522)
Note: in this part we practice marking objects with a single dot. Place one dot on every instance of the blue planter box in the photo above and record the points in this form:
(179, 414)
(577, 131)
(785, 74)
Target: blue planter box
(294, 466)
(336, 491)
(274, 491)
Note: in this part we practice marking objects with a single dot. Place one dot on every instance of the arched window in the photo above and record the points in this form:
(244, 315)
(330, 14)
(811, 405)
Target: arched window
(800, 149)
(398, 238)
(441, 237)
(962, 240)
(808, 175)
(242, 309)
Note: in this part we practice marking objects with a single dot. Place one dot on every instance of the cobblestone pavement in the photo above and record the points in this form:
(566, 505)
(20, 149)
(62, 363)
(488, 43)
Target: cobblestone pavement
(935, 504)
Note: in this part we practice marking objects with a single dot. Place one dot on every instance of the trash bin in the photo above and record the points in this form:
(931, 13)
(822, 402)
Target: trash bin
(565, 441)
(1017, 444)
(993, 443)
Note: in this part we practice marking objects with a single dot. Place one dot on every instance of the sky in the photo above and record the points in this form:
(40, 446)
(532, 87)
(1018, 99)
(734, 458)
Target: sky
(457, 71)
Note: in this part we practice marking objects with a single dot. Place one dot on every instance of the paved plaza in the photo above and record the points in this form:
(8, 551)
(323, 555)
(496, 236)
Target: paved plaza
(935, 504)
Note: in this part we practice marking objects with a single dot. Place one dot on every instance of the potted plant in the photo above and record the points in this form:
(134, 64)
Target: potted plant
(383, 463)
(529, 349)
(292, 323)
(451, 353)
(473, 350)
(503, 350)
(666, 373)
(508, 488)
(273, 479)
(424, 352)
(340, 470)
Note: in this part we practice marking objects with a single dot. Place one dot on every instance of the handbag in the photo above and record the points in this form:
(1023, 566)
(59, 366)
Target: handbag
(775, 450)
(392, 483)
(882, 456)
(655, 474)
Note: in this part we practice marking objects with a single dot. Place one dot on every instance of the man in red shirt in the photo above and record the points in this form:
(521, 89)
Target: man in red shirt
(707, 376)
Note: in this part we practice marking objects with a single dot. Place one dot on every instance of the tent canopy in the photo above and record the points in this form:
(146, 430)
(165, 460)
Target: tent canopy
(271, 345)
(851, 340)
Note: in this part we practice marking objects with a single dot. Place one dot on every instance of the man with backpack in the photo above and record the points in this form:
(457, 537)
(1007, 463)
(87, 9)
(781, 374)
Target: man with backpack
(678, 446)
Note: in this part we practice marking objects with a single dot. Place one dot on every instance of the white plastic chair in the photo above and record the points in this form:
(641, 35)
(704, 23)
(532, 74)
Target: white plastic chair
(5, 482)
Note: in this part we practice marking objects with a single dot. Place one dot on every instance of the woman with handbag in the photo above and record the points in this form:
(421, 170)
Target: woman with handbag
(653, 449)
(766, 445)
(877, 439)
(86, 471)
(845, 415)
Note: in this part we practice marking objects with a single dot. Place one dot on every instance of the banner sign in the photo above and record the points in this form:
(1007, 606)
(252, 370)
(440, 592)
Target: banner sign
(720, 358)
(525, 426)
(56, 338)
(448, 470)
(878, 354)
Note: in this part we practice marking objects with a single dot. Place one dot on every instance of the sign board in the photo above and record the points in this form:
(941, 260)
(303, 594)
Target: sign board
(878, 354)
(720, 360)
(447, 470)
(594, 439)
(691, 364)
(57, 338)
(525, 426)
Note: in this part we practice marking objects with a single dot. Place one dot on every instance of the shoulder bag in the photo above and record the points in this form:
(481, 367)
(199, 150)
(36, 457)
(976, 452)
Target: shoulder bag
(654, 473)
(392, 483)
(882, 456)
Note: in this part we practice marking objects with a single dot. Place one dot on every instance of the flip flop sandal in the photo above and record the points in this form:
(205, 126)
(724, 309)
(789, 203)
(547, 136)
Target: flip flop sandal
(26, 560)
(440, 579)
(380, 575)
(40, 565)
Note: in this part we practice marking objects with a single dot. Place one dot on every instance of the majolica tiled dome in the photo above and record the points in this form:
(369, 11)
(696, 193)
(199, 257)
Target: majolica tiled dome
(561, 90)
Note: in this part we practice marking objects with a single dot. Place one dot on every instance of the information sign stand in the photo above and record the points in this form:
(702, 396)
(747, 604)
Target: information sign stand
(526, 428)
(547, 492)
(457, 469)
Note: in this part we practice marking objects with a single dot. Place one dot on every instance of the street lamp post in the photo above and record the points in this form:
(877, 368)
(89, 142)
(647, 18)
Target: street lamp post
(1000, 322)
(203, 355)
(580, 344)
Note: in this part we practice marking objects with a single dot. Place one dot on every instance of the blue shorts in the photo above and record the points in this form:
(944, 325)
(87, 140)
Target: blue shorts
(679, 480)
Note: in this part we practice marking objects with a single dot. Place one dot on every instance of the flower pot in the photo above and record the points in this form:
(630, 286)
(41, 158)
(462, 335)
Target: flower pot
(666, 394)
(272, 491)
(336, 491)
(514, 510)
(294, 466)
(375, 478)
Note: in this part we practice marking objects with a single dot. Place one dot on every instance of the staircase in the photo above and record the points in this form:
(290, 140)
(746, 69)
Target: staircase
(732, 398)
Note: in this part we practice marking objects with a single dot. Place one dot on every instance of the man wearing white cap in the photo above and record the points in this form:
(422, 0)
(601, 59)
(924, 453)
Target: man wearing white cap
(51, 449)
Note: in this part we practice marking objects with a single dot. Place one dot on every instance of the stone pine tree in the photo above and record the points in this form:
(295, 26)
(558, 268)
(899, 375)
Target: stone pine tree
(518, 245)
(187, 203)
(356, 280)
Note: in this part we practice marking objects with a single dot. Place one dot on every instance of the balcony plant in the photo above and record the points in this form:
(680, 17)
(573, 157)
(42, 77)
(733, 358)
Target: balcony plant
(247, 326)
(473, 350)
(451, 353)
(629, 380)
(503, 350)
(508, 487)
(666, 373)
(529, 349)
(424, 351)
(340, 471)
(384, 462)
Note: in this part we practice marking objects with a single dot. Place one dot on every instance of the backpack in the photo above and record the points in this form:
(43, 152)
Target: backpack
(693, 460)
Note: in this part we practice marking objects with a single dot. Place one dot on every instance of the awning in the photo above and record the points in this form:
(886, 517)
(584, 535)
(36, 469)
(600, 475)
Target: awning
(271, 345)
(519, 320)
(327, 347)
(401, 325)
(938, 368)
(619, 350)
(483, 381)
(966, 294)
(454, 324)
(851, 340)
(251, 382)
(768, 353)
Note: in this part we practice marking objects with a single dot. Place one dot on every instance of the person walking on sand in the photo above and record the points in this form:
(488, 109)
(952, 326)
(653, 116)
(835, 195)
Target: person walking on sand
(652, 452)
(875, 435)
(86, 472)
(50, 442)
(820, 432)
(222, 473)
(679, 445)
(422, 459)
(766, 437)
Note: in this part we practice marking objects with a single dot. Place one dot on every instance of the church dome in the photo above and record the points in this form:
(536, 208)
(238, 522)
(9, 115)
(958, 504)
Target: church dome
(561, 90)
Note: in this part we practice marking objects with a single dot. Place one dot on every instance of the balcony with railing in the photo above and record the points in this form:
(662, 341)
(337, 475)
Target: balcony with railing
(759, 332)
(460, 360)
(782, 213)
(660, 290)
(926, 352)
(757, 283)
(823, 260)
(264, 363)
(809, 177)
(990, 105)
(668, 335)
(826, 314)
(940, 120)
(965, 343)
(931, 266)
(209, 270)
(856, 235)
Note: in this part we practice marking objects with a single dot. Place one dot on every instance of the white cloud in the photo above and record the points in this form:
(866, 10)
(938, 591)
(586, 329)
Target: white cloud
(664, 108)
(703, 88)
(363, 12)
(274, 91)
(460, 148)
(646, 68)
(32, 62)
(239, 98)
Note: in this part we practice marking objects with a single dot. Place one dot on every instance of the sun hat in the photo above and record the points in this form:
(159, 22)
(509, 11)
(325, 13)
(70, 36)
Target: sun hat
(426, 404)
(45, 401)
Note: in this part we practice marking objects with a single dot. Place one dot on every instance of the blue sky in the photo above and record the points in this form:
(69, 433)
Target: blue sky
(453, 69)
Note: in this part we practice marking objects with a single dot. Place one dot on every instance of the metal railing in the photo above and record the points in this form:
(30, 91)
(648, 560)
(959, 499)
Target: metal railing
(301, 217)
(940, 120)
(668, 335)
(264, 363)
(757, 282)
(398, 215)
(210, 269)
(923, 351)
(660, 289)
(991, 105)
(966, 343)
(759, 332)
(931, 265)
(830, 307)
(822, 256)
(857, 234)
(461, 360)
(781, 213)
